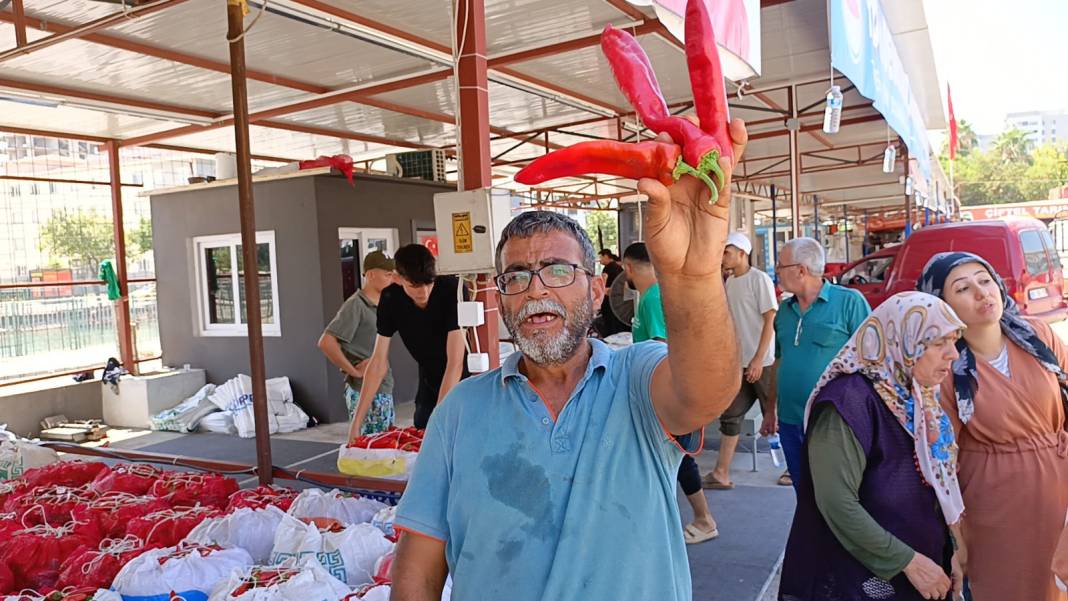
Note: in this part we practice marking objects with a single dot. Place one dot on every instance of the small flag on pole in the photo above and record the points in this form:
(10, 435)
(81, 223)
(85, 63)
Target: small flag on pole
(952, 126)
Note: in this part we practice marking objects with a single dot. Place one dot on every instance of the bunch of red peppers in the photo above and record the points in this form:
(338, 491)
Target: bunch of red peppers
(407, 439)
(701, 146)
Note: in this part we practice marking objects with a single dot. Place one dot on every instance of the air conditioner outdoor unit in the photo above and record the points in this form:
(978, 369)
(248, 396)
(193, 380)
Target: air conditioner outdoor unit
(420, 164)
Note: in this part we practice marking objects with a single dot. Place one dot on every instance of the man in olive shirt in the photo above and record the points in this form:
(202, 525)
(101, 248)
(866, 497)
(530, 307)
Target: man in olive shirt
(349, 340)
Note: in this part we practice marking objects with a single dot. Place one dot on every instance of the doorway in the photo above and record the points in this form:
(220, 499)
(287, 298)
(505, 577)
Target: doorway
(355, 243)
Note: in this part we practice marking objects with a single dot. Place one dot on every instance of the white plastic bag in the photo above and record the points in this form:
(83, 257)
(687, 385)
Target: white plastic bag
(221, 422)
(303, 580)
(383, 520)
(236, 394)
(250, 529)
(291, 419)
(185, 417)
(18, 455)
(349, 554)
(190, 571)
(391, 464)
(316, 503)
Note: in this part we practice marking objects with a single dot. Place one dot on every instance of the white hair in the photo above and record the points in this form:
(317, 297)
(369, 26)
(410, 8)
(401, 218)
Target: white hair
(809, 253)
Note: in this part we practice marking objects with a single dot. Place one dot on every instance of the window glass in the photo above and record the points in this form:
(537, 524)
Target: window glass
(219, 284)
(872, 271)
(1034, 252)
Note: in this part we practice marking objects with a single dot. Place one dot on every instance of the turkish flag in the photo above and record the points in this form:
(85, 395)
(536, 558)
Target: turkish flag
(952, 126)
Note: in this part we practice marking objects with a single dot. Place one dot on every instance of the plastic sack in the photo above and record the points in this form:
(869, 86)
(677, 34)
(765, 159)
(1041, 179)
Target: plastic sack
(132, 478)
(7, 579)
(34, 555)
(303, 580)
(290, 419)
(97, 567)
(185, 417)
(64, 473)
(263, 496)
(18, 455)
(316, 503)
(236, 394)
(114, 511)
(341, 162)
(52, 505)
(190, 572)
(220, 422)
(384, 519)
(250, 529)
(186, 489)
(348, 553)
(169, 527)
(391, 464)
(373, 592)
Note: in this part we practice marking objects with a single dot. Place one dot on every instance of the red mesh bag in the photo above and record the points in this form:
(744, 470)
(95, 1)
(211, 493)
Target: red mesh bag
(7, 580)
(382, 568)
(54, 504)
(10, 489)
(97, 567)
(64, 473)
(34, 555)
(9, 524)
(112, 512)
(184, 489)
(167, 528)
(133, 478)
(261, 497)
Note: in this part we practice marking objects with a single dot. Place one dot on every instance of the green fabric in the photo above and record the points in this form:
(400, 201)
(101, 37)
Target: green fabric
(648, 323)
(837, 463)
(107, 273)
(356, 327)
(806, 344)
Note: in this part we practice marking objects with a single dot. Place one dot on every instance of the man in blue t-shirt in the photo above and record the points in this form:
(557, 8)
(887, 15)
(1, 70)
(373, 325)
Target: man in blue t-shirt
(553, 477)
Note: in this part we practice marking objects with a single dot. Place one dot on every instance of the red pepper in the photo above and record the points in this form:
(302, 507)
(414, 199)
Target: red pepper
(633, 161)
(634, 73)
(700, 150)
(706, 75)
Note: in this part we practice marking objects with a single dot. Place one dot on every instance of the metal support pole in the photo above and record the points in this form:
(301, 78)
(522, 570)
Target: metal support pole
(19, 18)
(774, 227)
(246, 208)
(795, 163)
(122, 305)
(845, 229)
(866, 245)
(475, 144)
(908, 197)
(816, 217)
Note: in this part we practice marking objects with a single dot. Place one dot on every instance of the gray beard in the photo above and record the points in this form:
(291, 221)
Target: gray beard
(544, 349)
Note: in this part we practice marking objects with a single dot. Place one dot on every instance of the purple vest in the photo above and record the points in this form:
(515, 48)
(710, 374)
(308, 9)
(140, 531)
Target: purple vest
(816, 566)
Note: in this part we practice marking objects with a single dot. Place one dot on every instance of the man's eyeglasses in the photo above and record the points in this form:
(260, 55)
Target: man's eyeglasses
(557, 275)
(781, 268)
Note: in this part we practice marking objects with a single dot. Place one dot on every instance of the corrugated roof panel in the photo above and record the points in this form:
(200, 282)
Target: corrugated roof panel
(429, 19)
(76, 11)
(281, 143)
(78, 121)
(363, 119)
(275, 44)
(513, 24)
(587, 71)
(125, 73)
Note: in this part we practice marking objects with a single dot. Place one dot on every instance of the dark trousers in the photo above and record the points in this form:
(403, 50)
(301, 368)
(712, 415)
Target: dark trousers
(426, 397)
(689, 475)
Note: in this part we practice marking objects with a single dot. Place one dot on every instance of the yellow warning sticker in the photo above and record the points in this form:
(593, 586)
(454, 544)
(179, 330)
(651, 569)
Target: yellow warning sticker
(461, 233)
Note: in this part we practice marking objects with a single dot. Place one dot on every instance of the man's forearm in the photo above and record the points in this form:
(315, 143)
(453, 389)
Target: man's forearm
(330, 347)
(705, 371)
(766, 336)
(453, 371)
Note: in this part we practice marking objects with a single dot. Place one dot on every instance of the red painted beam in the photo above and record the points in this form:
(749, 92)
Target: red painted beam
(93, 26)
(375, 25)
(41, 88)
(344, 135)
(122, 304)
(18, 16)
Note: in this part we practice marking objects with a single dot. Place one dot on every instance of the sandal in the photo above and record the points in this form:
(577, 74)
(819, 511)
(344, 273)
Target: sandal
(785, 479)
(694, 535)
(711, 482)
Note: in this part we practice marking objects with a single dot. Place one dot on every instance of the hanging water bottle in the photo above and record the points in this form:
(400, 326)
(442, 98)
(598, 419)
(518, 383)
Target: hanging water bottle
(776, 449)
(889, 158)
(832, 115)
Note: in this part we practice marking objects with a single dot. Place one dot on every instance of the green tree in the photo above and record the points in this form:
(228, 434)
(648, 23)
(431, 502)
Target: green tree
(82, 238)
(139, 239)
(1013, 146)
(607, 223)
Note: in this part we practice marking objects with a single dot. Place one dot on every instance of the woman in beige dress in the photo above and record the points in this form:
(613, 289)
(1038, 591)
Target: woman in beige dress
(1006, 405)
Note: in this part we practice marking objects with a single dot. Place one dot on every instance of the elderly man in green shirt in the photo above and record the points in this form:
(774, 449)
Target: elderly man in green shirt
(810, 328)
(349, 341)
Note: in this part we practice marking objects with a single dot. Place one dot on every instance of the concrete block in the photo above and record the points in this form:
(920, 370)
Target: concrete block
(141, 397)
(22, 407)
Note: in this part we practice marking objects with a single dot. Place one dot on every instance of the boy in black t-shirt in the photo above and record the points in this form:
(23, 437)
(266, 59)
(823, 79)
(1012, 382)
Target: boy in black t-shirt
(422, 307)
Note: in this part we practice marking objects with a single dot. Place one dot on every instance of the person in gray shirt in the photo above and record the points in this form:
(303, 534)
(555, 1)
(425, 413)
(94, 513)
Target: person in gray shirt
(349, 340)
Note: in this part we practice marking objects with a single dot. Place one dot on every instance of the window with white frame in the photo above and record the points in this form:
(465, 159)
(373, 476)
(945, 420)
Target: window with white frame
(220, 270)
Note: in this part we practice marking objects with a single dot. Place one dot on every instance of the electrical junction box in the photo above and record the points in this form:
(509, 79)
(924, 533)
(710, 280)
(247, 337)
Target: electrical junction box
(470, 314)
(469, 224)
(478, 363)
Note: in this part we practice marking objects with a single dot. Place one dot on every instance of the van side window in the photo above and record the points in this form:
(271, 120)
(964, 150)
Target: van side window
(1034, 252)
(1052, 248)
(872, 271)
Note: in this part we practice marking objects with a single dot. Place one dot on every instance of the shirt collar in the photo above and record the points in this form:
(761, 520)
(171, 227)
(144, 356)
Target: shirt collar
(601, 355)
(824, 295)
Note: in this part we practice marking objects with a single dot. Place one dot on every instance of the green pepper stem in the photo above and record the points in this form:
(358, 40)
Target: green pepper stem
(709, 164)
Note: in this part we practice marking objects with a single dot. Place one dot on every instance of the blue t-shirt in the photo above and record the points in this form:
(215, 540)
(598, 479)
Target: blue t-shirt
(806, 344)
(532, 508)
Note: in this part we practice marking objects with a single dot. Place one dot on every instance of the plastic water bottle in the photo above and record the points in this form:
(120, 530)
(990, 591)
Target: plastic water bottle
(889, 158)
(832, 115)
(776, 448)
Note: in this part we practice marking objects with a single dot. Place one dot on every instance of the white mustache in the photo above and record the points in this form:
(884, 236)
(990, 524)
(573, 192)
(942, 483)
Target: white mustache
(541, 306)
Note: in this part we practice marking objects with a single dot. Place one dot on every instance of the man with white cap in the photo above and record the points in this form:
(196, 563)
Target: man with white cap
(751, 299)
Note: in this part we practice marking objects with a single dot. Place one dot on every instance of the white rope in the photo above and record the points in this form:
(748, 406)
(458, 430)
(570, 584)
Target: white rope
(241, 36)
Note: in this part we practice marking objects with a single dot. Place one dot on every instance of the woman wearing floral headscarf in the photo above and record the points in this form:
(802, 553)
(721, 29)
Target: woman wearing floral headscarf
(880, 464)
(1006, 404)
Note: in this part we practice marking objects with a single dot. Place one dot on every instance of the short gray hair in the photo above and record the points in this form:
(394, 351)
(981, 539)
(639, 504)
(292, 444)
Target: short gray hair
(807, 252)
(529, 223)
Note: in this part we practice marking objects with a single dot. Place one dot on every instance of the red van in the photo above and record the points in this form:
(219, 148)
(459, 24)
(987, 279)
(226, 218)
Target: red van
(1019, 248)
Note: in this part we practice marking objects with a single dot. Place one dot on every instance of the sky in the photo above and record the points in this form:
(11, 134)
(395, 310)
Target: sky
(1000, 56)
